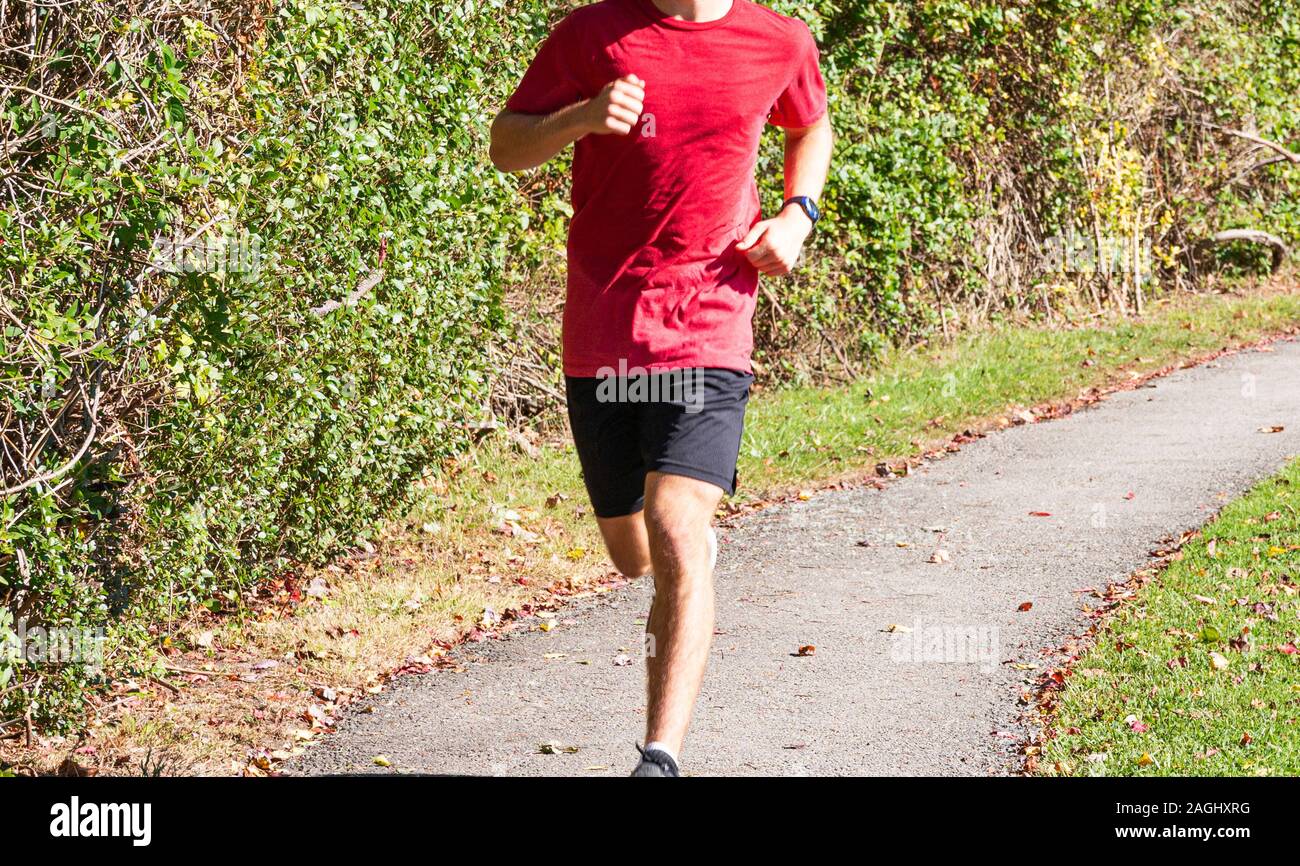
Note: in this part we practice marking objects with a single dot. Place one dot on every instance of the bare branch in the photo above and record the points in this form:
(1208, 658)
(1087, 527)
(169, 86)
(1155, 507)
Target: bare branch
(1288, 155)
(1255, 236)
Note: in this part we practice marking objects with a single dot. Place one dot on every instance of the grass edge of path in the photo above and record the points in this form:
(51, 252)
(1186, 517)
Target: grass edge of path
(1192, 669)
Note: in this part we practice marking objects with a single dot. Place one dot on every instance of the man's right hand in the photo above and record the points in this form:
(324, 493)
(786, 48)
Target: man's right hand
(617, 108)
(524, 141)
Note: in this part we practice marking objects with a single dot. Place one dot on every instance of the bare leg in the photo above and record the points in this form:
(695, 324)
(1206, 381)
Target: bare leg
(627, 543)
(679, 629)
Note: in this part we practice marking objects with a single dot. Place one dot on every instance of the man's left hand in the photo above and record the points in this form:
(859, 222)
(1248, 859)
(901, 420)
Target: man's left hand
(773, 245)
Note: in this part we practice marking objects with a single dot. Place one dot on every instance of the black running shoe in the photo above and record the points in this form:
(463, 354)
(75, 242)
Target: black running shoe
(655, 763)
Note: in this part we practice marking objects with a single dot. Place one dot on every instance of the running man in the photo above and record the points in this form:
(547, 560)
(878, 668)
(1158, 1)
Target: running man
(666, 100)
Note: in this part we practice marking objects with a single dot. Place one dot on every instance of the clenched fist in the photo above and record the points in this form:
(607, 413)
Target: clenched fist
(617, 108)
(773, 246)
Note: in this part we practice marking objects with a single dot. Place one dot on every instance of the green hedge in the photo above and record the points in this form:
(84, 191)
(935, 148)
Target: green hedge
(238, 422)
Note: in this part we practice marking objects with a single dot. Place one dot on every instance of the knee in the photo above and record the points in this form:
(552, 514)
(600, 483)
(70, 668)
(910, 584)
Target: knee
(674, 534)
(631, 564)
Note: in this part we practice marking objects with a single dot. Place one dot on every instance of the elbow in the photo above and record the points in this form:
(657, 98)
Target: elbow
(499, 152)
(496, 153)
(498, 158)
(506, 162)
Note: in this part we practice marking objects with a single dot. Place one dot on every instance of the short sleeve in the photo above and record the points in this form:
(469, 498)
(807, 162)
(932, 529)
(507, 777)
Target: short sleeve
(551, 82)
(803, 102)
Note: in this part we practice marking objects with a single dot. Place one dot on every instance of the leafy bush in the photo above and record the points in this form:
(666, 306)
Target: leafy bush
(239, 423)
(259, 274)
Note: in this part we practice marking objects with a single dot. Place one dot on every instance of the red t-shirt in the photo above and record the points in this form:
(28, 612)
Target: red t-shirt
(655, 280)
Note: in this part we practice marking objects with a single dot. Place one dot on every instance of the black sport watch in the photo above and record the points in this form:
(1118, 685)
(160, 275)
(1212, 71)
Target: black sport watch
(806, 204)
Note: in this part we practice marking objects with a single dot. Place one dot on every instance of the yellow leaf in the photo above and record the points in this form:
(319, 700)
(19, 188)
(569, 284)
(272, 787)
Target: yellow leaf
(382, 761)
(1146, 760)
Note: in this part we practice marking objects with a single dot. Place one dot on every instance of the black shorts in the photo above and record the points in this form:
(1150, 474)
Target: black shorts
(679, 422)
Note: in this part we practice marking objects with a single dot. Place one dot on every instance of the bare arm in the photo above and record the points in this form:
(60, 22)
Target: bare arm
(808, 158)
(524, 141)
(773, 245)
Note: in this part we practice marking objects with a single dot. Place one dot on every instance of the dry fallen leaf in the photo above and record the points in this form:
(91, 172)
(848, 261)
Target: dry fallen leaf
(555, 749)
(1275, 428)
(1218, 661)
(1025, 605)
(939, 556)
(807, 650)
(1146, 760)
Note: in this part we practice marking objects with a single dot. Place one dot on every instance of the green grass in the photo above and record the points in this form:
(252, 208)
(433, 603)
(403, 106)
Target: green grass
(802, 436)
(1152, 666)
(805, 435)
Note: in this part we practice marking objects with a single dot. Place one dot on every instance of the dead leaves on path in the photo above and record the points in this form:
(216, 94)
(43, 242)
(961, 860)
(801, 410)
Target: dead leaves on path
(554, 748)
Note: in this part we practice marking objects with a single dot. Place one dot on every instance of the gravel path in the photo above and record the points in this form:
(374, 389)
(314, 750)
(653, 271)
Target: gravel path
(833, 572)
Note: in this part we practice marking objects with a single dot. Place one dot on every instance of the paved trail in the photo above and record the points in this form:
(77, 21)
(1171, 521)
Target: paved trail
(797, 574)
